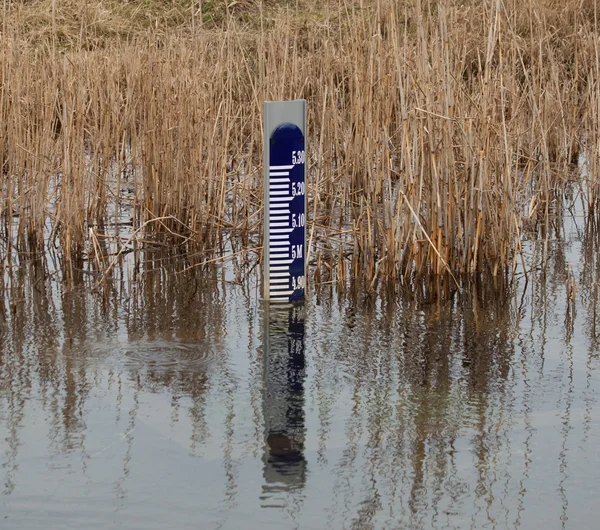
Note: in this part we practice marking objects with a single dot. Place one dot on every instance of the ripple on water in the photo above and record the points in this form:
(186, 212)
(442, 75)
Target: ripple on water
(165, 355)
(156, 355)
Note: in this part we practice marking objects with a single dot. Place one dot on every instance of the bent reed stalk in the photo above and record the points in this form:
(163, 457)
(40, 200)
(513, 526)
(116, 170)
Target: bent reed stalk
(440, 132)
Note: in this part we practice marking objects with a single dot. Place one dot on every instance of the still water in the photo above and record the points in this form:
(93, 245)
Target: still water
(179, 400)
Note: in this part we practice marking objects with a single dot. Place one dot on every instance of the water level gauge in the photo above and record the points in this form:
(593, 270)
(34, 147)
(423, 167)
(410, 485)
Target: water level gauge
(285, 207)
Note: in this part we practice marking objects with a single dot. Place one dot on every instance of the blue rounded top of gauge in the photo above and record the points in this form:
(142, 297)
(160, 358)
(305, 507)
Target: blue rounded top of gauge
(287, 132)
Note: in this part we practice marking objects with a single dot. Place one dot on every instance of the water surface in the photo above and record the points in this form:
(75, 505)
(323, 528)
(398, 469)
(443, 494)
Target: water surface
(179, 400)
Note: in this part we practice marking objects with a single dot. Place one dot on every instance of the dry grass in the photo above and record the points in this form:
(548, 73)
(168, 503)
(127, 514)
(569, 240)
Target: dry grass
(440, 132)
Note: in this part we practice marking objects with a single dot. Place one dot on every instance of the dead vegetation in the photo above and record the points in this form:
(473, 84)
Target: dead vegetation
(441, 132)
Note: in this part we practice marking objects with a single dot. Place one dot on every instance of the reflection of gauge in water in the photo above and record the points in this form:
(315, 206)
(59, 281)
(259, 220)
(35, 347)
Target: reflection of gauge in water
(283, 408)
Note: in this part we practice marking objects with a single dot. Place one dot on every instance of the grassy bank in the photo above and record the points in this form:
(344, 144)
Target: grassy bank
(441, 133)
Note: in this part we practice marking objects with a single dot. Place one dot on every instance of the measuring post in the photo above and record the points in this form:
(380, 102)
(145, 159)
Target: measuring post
(285, 200)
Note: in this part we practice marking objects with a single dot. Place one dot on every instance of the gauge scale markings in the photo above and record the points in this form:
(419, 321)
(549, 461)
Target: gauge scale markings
(285, 214)
(279, 276)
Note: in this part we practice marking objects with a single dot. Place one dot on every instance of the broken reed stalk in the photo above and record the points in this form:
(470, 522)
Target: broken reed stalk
(468, 111)
(123, 248)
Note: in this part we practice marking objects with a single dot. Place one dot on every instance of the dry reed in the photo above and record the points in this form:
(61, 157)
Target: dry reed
(441, 132)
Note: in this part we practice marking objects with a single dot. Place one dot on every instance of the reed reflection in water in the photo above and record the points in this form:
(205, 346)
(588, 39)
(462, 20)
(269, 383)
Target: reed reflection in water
(179, 400)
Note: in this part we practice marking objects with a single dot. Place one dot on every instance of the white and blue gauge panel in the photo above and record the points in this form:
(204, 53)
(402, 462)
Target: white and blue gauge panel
(286, 214)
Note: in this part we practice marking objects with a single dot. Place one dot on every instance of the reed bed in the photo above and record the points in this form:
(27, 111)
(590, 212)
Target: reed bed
(441, 133)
